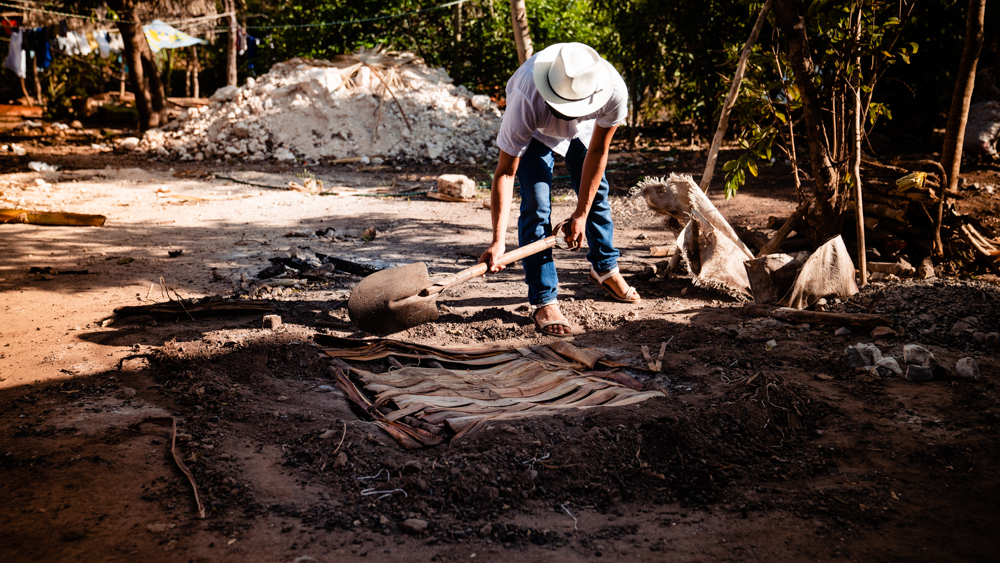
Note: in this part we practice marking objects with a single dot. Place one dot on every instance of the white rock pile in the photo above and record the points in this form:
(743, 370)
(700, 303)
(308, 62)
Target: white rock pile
(321, 111)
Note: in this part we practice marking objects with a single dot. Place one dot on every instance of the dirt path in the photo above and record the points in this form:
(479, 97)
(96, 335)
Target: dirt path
(781, 454)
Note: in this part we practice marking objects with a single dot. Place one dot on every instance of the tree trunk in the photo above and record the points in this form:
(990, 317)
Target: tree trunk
(231, 44)
(522, 35)
(951, 156)
(144, 77)
(825, 218)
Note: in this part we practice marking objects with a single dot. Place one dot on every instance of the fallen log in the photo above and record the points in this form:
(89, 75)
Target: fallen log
(786, 229)
(816, 317)
(52, 219)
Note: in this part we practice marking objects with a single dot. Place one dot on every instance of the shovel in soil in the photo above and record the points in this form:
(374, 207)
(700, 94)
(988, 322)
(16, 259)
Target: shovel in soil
(399, 298)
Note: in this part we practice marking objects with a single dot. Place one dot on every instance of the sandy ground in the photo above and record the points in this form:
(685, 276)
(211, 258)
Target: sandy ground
(871, 468)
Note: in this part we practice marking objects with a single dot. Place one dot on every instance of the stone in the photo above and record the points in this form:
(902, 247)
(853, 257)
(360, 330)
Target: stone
(979, 338)
(919, 373)
(341, 460)
(888, 364)
(129, 143)
(963, 325)
(224, 94)
(272, 321)
(966, 368)
(529, 475)
(75, 124)
(926, 269)
(917, 354)
(842, 331)
(993, 340)
(480, 102)
(414, 526)
(489, 493)
(486, 530)
(456, 185)
(863, 355)
(283, 154)
(883, 332)
(241, 130)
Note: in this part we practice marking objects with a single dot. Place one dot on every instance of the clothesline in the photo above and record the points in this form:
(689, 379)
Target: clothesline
(228, 14)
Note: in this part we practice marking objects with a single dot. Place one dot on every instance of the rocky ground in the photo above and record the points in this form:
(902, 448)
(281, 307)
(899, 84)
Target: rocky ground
(769, 445)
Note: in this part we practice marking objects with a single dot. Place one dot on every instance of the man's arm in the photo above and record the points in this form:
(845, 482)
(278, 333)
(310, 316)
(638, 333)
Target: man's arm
(590, 180)
(501, 193)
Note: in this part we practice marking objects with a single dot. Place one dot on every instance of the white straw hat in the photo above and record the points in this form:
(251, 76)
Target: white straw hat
(573, 78)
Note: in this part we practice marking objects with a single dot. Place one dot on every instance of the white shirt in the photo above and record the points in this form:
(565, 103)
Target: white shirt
(527, 116)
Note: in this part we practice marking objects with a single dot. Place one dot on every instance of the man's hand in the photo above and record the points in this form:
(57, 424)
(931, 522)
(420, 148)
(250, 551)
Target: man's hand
(492, 255)
(574, 230)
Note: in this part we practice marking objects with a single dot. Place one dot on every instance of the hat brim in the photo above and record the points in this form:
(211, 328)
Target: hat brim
(578, 108)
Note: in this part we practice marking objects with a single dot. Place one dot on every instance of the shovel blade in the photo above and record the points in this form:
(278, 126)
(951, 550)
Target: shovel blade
(387, 301)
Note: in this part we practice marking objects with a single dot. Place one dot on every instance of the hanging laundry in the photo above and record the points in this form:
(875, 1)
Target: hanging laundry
(15, 60)
(63, 28)
(91, 40)
(81, 41)
(37, 42)
(102, 43)
(241, 40)
(116, 42)
(162, 36)
(252, 43)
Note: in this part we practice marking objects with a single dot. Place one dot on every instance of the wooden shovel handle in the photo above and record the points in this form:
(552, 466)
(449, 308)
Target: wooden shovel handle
(480, 269)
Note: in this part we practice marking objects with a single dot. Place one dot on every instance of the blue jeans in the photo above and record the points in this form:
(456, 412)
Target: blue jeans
(535, 175)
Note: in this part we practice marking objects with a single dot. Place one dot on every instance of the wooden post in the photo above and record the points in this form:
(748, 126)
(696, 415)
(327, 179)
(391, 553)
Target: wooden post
(859, 212)
(734, 90)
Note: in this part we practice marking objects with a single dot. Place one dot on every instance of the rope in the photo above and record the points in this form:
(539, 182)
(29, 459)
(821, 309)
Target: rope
(290, 26)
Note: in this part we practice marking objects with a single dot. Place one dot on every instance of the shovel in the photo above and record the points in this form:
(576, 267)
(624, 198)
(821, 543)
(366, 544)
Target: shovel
(399, 298)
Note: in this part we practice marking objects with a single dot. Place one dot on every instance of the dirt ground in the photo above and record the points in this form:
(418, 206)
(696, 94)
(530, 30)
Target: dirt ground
(760, 452)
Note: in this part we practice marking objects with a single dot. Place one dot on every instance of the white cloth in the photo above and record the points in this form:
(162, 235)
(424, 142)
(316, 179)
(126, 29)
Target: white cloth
(102, 43)
(116, 42)
(527, 116)
(15, 60)
(82, 43)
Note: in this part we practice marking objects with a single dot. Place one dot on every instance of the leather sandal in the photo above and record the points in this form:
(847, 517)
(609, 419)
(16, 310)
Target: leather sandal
(631, 296)
(542, 326)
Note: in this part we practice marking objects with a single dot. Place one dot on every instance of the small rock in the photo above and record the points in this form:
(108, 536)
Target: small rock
(126, 393)
(272, 321)
(863, 355)
(341, 460)
(481, 102)
(842, 331)
(979, 338)
(888, 364)
(919, 373)
(157, 528)
(993, 340)
(926, 270)
(456, 185)
(486, 530)
(916, 354)
(966, 368)
(770, 344)
(883, 331)
(489, 493)
(414, 526)
(960, 327)
(129, 143)
(529, 475)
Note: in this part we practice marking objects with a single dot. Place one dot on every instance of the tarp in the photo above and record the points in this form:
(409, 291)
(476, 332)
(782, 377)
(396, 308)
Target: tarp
(161, 36)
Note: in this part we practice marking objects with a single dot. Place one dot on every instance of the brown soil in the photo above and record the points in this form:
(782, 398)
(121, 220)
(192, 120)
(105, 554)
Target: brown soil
(759, 453)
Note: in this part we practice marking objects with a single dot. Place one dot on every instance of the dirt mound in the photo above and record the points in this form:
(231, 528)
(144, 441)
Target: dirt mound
(369, 105)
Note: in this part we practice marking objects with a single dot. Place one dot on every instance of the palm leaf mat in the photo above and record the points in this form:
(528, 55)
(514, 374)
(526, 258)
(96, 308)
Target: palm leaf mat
(428, 403)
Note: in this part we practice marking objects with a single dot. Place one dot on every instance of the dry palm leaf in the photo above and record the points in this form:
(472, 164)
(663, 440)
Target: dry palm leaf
(420, 406)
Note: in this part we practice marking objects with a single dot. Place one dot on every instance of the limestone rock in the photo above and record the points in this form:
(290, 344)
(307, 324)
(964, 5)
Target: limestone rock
(456, 185)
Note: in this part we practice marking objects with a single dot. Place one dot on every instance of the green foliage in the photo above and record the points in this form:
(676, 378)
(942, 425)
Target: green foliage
(74, 77)
(769, 102)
